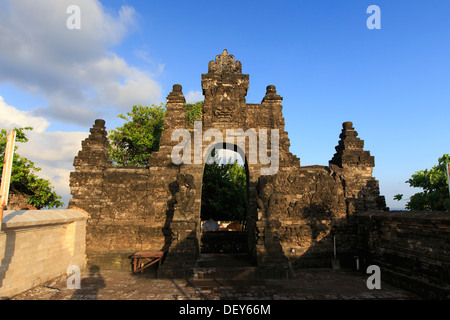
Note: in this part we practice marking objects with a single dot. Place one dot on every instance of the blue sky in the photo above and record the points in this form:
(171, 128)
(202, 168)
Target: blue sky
(328, 66)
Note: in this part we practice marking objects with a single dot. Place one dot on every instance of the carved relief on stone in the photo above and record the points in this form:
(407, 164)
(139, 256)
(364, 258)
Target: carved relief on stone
(225, 88)
(264, 191)
(224, 63)
(224, 103)
(185, 196)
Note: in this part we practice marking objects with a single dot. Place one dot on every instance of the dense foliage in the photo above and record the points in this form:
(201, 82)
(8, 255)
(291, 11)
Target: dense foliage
(435, 194)
(194, 112)
(224, 191)
(132, 144)
(23, 176)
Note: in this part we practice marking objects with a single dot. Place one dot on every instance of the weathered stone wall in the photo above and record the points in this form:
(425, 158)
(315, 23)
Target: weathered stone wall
(39, 245)
(292, 215)
(18, 201)
(303, 210)
(121, 220)
(297, 212)
(412, 249)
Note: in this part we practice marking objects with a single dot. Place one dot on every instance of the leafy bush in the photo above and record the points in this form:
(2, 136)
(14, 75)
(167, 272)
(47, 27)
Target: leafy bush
(435, 195)
(23, 176)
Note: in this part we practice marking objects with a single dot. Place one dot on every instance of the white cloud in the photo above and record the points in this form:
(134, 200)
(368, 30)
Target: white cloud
(13, 118)
(75, 70)
(52, 147)
(53, 152)
(136, 87)
(194, 96)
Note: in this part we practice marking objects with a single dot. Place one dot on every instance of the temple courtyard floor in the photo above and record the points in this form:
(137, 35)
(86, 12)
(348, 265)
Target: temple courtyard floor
(310, 284)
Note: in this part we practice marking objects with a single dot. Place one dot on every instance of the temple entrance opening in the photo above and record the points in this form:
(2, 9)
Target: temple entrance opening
(224, 202)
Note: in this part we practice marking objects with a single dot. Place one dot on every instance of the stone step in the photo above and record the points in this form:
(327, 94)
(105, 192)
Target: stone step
(234, 267)
(224, 266)
(228, 273)
(213, 260)
(241, 273)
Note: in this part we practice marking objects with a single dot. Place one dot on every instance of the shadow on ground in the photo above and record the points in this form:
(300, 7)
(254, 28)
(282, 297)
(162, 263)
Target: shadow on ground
(318, 284)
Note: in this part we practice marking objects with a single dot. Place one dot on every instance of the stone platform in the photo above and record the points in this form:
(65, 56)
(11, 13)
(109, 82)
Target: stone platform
(317, 284)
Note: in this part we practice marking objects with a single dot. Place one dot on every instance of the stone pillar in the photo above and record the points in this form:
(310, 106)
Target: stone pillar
(174, 194)
(86, 182)
(175, 114)
(272, 103)
(361, 190)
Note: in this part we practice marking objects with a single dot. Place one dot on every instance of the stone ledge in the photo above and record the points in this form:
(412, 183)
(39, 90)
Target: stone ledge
(31, 218)
(422, 216)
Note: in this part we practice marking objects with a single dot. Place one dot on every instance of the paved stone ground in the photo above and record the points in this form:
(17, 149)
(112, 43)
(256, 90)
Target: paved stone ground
(317, 284)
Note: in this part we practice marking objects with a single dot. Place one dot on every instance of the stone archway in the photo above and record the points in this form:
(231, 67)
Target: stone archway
(226, 116)
(224, 183)
(292, 210)
(224, 205)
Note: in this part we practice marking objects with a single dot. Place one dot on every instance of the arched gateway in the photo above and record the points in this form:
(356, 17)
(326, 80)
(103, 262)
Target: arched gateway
(294, 213)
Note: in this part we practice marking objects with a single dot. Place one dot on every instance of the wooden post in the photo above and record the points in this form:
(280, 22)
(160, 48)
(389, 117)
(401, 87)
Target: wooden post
(6, 174)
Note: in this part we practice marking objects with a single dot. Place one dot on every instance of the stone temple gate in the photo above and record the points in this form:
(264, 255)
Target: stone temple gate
(293, 216)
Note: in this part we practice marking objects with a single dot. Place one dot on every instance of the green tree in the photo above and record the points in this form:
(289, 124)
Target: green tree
(224, 191)
(435, 196)
(23, 176)
(132, 144)
(194, 112)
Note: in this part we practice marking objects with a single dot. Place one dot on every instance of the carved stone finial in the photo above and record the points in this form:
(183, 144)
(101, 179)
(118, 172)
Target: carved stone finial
(348, 125)
(176, 95)
(94, 149)
(99, 123)
(271, 88)
(225, 63)
(350, 150)
(271, 94)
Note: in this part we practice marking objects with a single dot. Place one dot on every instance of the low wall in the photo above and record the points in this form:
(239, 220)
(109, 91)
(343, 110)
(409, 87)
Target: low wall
(39, 245)
(412, 249)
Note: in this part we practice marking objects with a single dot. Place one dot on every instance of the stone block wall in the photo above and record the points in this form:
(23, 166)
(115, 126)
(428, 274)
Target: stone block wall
(121, 224)
(302, 211)
(412, 249)
(123, 218)
(293, 213)
(39, 245)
